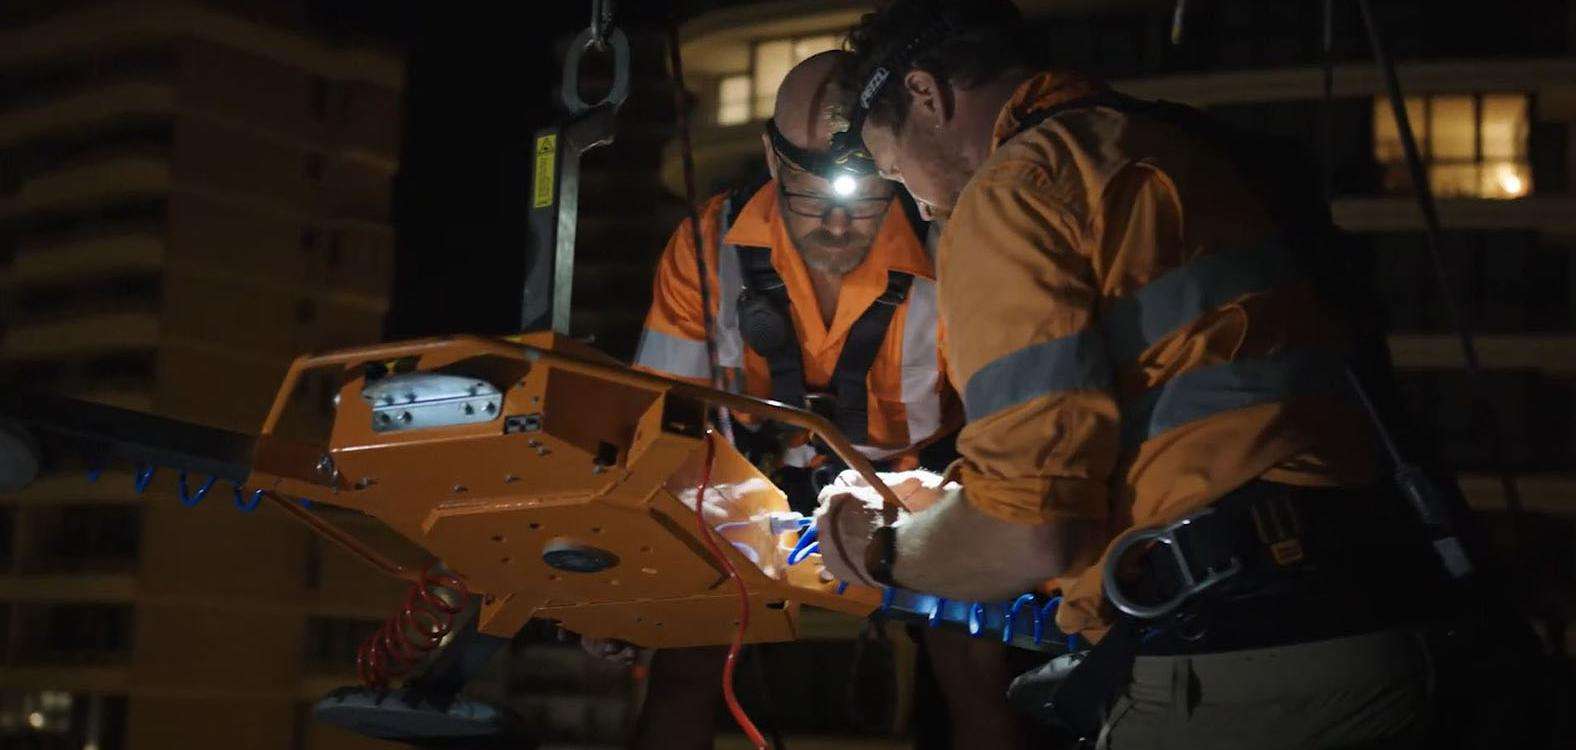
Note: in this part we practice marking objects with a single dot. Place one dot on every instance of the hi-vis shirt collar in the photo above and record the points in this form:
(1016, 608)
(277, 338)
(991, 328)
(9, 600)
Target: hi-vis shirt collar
(896, 248)
(1041, 91)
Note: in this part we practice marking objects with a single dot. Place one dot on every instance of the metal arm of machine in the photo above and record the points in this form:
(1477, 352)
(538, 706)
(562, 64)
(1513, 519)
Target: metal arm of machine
(764, 408)
(555, 181)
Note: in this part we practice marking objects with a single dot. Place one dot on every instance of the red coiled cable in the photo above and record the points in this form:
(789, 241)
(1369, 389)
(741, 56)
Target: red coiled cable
(415, 630)
(739, 716)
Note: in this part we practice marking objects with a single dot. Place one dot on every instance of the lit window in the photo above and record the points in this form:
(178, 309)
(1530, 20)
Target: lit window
(752, 95)
(814, 45)
(1473, 145)
(772, 61)
(733, 100)
(55, 718)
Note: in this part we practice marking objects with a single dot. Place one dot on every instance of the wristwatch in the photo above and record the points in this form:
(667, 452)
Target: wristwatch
(881, 555)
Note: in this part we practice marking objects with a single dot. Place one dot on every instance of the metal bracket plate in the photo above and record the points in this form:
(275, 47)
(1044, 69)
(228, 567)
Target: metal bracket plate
(415, 401)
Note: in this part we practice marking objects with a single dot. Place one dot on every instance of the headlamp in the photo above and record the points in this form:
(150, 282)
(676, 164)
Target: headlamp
(841, 168)
(848, 153)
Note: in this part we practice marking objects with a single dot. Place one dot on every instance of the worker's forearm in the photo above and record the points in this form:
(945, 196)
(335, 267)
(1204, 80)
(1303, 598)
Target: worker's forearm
(954, 550)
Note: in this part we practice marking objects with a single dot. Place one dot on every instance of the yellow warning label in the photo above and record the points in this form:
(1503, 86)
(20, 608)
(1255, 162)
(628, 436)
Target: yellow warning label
(542, 182)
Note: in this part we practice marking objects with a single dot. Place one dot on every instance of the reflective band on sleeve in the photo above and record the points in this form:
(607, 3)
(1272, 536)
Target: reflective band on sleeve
(1212, 390)
(684, 358)
(921, 366)
(730, 280)
(1185, 293)
(1072, 363)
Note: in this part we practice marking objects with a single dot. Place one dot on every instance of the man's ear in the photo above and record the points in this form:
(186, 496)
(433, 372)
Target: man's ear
(931, 99)
(771, 155)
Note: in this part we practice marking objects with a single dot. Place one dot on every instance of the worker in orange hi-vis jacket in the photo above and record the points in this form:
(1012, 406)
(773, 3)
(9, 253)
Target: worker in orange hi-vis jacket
(1156, 349)
(823, 295)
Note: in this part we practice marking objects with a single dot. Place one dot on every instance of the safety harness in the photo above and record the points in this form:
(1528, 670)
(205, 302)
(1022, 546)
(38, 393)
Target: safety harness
(1224, 543)
(766, 327)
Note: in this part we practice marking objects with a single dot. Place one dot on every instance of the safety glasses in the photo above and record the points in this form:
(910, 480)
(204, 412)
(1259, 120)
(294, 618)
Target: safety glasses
(820, 205)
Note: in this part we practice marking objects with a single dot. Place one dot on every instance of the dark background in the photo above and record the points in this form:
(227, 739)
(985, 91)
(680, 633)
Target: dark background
(482, 77)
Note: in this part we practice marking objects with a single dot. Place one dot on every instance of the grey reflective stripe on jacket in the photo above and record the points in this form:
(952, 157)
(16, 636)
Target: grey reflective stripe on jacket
(1086, 360)
(1207, 391)
(1076, 362)
(684, 358)
(921, 369)
(687, 358)
(1182, 295)
(730, 281)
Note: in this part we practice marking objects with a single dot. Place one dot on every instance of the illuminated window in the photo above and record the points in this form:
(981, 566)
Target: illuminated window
(751, 95)
(733, 100)
(56, 718)
(772, 61)
(1473, 145)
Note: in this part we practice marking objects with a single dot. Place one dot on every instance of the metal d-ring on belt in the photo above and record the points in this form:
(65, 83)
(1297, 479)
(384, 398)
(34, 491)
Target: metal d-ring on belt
(1192, 584)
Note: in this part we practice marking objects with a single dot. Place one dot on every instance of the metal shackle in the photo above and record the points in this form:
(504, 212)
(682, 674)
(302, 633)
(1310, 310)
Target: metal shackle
(571, 84)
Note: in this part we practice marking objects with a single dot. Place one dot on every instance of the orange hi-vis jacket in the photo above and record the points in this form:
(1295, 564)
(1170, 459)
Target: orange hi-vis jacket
(1131, 339)
(909, 401)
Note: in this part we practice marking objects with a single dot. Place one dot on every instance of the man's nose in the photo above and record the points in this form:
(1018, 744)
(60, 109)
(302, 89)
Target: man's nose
(837, 220)
(924, 211)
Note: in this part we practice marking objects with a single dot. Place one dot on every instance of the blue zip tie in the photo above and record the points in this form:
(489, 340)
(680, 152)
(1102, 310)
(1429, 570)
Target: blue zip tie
(1012, 617)
(244, 505)
(806, 545)
(94, 472)
(976, 618)
(935, 614)
(144, 477)
(1046, 613)
(888, 595)
(191, 500)
(841, 587)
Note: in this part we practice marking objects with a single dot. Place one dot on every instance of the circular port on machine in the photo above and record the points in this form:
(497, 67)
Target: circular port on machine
(577, 557)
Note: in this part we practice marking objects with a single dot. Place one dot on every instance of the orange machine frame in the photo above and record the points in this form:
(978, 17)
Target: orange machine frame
(610, 460)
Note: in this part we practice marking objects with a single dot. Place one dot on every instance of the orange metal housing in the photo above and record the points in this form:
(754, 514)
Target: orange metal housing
(598, 456)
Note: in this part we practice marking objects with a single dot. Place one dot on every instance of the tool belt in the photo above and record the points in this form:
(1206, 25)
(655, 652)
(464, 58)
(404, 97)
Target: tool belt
(1267, 565)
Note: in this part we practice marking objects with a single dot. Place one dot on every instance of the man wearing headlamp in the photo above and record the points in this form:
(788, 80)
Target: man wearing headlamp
(1150, 318)
(818, 291)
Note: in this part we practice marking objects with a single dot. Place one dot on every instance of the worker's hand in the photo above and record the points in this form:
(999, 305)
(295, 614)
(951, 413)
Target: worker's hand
(610, 649)
(918, 489)
(843, 524)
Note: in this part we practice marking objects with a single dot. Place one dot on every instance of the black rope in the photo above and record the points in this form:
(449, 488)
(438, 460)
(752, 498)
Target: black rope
(1327, 111)
(681, 105)
(1425, 202)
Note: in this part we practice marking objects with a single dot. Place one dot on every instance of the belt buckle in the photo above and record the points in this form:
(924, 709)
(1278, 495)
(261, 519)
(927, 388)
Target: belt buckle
(1192, 584)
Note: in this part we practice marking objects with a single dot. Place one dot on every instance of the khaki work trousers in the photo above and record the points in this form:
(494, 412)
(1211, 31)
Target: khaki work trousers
(1372, 690)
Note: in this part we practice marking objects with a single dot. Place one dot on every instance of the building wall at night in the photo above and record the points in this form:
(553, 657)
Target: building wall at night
(1492, 97)
(188, 199)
